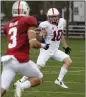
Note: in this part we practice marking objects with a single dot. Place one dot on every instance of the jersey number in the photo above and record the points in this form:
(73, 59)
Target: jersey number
(12, 31)
(57, 36)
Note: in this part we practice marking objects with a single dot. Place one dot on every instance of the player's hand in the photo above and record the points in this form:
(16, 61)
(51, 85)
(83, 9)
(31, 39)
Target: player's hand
(47, 46)
(67, 50)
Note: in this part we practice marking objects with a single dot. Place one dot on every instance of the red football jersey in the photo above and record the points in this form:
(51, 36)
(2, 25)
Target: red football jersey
(16, 32)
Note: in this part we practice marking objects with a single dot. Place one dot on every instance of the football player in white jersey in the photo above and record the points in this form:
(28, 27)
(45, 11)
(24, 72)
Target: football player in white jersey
(52, 32)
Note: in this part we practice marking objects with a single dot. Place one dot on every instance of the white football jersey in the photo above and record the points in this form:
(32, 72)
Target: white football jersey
(54, 32)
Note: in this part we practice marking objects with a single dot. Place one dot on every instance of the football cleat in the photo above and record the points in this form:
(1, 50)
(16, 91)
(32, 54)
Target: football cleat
(18, 90)
(60, 83)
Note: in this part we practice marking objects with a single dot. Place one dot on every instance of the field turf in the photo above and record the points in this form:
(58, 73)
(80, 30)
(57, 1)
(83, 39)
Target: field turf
(74, 79)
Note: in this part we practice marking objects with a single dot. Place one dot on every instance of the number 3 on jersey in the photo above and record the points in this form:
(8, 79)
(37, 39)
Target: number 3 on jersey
(13, 31)
(57, 36)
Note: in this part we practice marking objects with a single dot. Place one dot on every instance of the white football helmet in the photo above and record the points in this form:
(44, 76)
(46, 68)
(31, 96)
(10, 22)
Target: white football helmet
(53, 12)
(53, 15)
(20, 8)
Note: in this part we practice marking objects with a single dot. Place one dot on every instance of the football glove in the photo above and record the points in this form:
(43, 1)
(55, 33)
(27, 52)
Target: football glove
(47, 46)
(67, 50)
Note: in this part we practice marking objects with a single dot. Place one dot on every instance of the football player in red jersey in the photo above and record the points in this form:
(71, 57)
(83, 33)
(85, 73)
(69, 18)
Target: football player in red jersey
(21, 34)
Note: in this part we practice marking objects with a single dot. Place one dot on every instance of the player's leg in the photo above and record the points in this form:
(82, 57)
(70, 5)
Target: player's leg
(41, 61)
(61, 56)
(6, 77)
(34, 75)
(30, 82)
(42, 58)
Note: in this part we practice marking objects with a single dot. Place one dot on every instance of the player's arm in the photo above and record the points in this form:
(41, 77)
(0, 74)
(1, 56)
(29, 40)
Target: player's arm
(65, 46)
(41, 33)
(32, 39)
(32, 34)
(63, 42)
(42, 27)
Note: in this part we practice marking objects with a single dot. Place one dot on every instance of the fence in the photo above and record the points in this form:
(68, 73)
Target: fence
(76, 31)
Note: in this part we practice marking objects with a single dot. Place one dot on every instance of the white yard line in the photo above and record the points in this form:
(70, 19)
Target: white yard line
(55, 92)
(68, 74)
(78, 57)
(45, 71)
(51, 92)
(48, 73)
(77, 71)
(75, 61)
(60, 67)
(65, 82)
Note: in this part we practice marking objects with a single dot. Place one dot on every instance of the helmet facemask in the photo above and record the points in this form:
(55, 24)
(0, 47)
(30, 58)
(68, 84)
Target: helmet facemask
(53, 19)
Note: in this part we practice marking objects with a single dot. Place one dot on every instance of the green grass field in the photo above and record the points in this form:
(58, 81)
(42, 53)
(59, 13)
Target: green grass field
(74, 79)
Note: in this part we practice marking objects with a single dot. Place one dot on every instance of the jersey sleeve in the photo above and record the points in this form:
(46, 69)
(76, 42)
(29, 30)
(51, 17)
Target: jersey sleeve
(43, 25)
(64, 24)
(31, 21)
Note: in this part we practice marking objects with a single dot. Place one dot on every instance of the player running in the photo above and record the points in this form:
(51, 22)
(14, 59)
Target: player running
(20, 33)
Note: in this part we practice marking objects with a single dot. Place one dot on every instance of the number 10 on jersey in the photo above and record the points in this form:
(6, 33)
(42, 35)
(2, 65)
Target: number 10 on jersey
(57, 35)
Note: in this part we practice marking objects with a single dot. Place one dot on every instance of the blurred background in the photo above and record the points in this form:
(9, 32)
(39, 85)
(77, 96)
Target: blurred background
(72, 11)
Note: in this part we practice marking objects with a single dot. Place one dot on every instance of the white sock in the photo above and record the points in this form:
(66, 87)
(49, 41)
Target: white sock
(23, 79)
(62, 73)
(26, 85)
